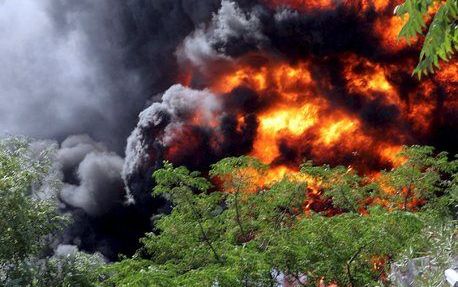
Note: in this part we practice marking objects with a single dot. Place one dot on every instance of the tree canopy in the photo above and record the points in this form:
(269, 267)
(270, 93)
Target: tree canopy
(231, 232)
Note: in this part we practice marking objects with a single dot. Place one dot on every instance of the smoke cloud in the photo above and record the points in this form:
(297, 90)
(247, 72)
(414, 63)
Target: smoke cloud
(229, 25)
(170, 115)
(88, 66)
(100, 184)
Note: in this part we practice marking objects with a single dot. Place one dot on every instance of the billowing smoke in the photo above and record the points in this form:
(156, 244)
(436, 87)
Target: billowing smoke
(98, 175)
(165, 123)
(211, 43)
(88, 66)
(282, 80)
(86, 183)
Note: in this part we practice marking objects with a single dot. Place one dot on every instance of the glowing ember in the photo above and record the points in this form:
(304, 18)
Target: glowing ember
(388, 30)
(369, 79)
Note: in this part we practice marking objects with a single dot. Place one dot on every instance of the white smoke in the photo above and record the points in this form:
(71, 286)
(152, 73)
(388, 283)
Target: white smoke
(64, 250)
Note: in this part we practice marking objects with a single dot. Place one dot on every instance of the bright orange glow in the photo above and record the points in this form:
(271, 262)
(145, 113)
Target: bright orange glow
(292, 121)
(447, 75)
(354, 109)
(331, 133)
(302, 118)
(388, 30)
(283, 76)
(365, 77)
(391, 153)
(245, 76)
(278, 173)
(378, 6)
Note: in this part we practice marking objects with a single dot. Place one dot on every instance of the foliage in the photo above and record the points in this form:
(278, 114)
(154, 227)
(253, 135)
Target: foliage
(24, 220)
(28, 223)
(77, 269)
(422, 177)
(441, 40)
(224, 234)
(343, 185)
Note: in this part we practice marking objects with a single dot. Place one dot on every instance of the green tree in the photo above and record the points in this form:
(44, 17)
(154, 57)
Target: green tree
(343, 249)
(25, 220)
(28, 223)
(239, 175)
(423, 177)
(228, 237)
(441, 39)
(343, 185)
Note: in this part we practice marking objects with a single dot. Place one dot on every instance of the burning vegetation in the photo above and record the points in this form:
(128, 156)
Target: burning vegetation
(320, 226)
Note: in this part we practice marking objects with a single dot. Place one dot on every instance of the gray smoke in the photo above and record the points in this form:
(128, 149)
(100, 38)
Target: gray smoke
(171, 113)
(100, 184)
(71, 67)
(92, 192)
(84, 174)
(51, 84)
(209, 43)
(74, 149)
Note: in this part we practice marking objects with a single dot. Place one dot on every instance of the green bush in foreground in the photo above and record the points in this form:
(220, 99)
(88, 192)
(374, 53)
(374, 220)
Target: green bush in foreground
(230, 237)
(239, 233)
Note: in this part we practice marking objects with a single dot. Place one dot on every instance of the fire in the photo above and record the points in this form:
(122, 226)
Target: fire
(244, 76)
(286, 121)
(329, 83)
(258, 179)
(284, 76)
(391, 154)
(278, 173)
(379, 5)
(332, 102)
(369, 79)
(307, 5)
(388, 30)
(448, 77)
(332, 133)
(300, 118)
(293, 120)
